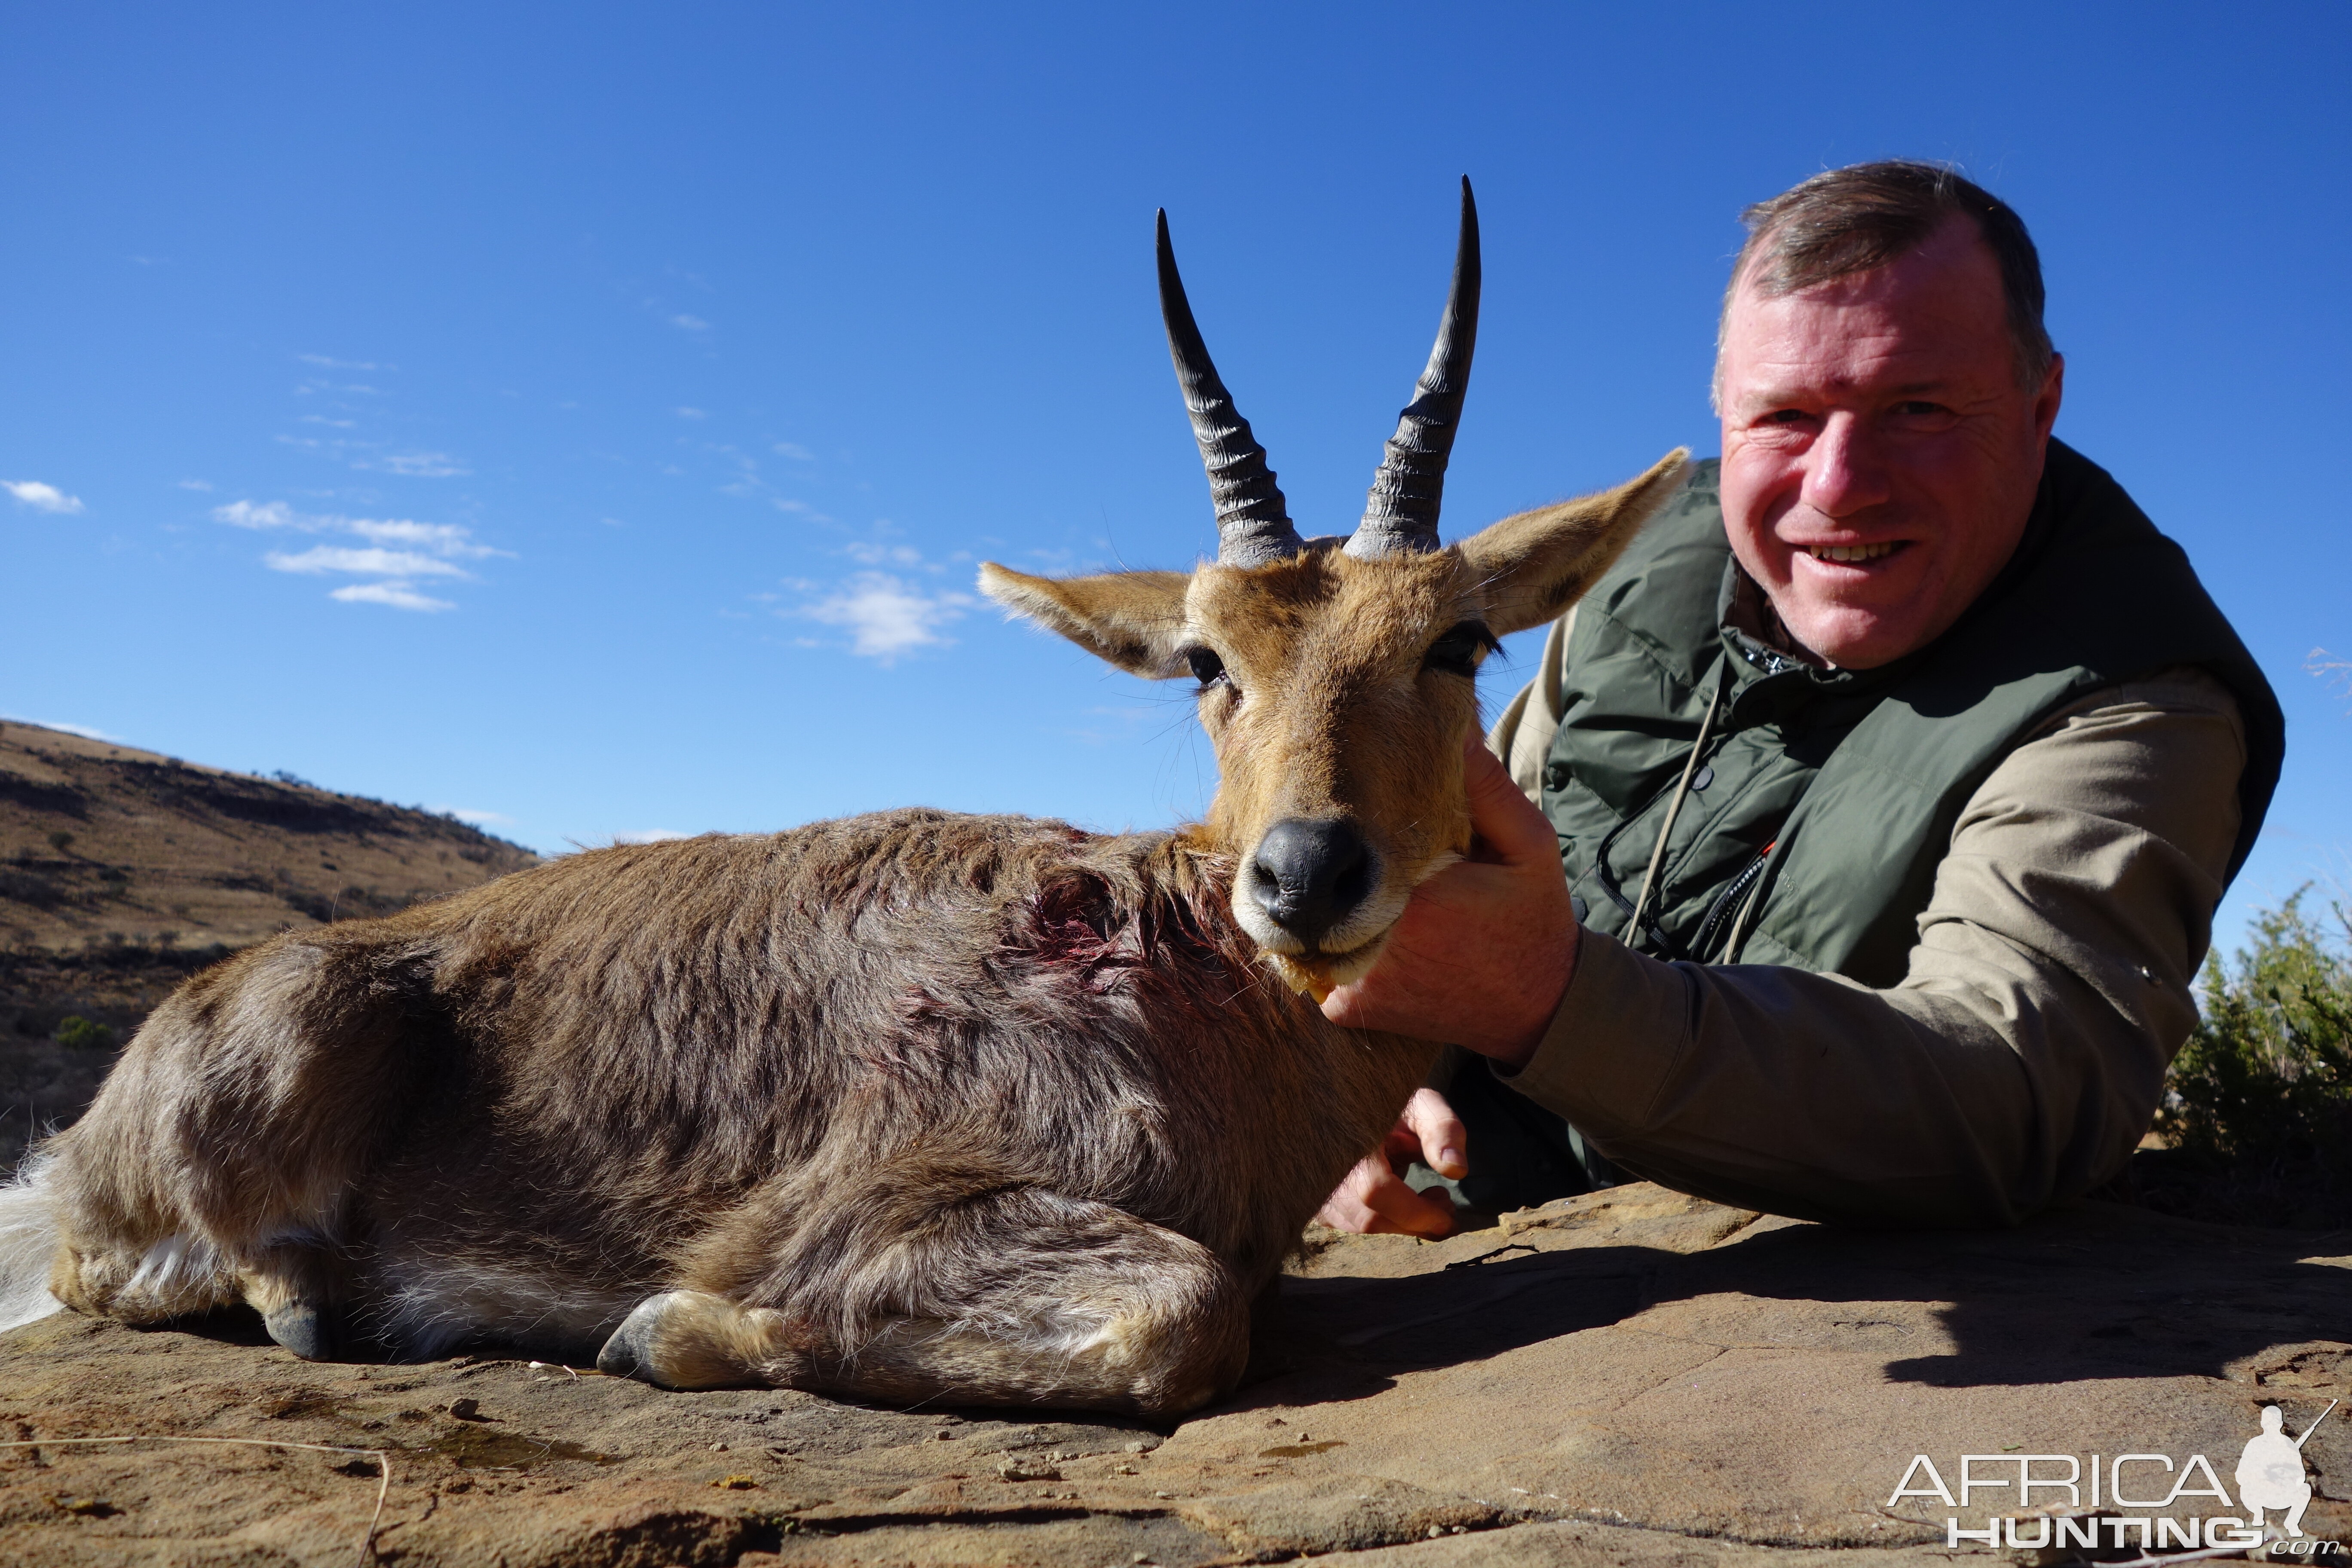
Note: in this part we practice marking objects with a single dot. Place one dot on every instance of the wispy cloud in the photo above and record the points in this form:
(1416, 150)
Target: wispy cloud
(415, 465)
(398, 552)
(690, 323)
(399, 596)
(876, 552)
(195, 484)
(441, 538)
(649, 835)
(340, 364)
(794, 450)
(40, 497)
(481, 818)
(887, 616)
(322, 558)
(270, 514)
(689, 413)
(84, 731)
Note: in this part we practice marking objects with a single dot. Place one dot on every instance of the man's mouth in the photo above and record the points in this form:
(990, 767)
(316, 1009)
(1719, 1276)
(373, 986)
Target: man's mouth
(1853, 553)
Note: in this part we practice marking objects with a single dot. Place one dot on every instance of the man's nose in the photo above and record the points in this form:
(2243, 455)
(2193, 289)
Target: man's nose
(1845, 472)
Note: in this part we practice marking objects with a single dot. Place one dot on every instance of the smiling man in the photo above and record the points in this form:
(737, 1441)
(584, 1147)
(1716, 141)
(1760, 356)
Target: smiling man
(1896, 772)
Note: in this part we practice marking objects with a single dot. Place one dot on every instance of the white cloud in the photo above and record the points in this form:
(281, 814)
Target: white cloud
(398, 551)
(417, 464)
(482, 818)
(794, 450)
(41, 496)
(690, 413)
(245, 514)
(399, 596)
(340, 363)
(363, 563)
(195, 484)
(84, 731)
(441, 538)
(690, 323)
(886, 617)
(649, 835)
(874, 552)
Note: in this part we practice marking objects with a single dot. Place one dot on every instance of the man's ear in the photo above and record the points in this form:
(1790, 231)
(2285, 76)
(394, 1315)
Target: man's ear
(1536, 565)
(1135, 619)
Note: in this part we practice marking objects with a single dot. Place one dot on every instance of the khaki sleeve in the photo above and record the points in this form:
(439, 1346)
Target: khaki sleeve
(2020, 1059)
(1522, 736)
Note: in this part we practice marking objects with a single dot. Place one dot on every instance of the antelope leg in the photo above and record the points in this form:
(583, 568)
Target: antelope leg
(1021, 1298)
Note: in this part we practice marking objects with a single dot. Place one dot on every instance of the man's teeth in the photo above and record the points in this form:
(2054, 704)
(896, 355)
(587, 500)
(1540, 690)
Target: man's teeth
(1851, 552)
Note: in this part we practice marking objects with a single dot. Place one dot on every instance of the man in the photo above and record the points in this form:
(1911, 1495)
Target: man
(1896, 772)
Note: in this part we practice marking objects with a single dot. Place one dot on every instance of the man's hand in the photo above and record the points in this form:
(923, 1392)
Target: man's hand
(1374, 1198)
(1484, 951)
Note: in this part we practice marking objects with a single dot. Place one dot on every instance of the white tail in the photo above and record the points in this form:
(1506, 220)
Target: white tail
(29, 1245)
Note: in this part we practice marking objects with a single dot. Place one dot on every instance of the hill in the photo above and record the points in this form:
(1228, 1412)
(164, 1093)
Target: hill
(123, 871)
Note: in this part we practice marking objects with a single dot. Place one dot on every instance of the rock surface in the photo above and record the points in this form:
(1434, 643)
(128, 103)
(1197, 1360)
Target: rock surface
(1632, 1378)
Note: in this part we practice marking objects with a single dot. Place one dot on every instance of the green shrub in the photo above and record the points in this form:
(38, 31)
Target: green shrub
(2262, 1094)
(79, 1034)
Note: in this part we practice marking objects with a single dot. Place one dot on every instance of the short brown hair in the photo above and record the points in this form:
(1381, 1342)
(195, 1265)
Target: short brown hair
(1844, 221)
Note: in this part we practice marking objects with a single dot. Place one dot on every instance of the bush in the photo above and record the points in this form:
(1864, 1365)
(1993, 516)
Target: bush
(79, 1034)
(2261, 1097)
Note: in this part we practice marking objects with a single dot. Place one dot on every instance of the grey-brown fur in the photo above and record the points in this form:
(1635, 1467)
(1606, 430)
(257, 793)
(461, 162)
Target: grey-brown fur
(905, 1072)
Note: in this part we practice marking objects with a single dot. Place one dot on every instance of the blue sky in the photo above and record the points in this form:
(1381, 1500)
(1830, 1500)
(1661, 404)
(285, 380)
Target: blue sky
(588, 418)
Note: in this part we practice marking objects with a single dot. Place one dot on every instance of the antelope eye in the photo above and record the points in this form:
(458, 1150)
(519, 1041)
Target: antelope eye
(1456, 652)
(1206, 666)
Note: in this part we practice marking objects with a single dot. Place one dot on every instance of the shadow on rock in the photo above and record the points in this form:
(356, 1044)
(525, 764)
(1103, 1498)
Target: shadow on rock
(2098, 1290)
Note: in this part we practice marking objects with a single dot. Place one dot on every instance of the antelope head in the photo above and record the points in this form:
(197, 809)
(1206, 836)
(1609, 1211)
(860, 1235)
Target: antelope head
(1338, 676)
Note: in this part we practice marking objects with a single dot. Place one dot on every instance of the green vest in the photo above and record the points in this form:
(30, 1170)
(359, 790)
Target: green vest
(1825, 798)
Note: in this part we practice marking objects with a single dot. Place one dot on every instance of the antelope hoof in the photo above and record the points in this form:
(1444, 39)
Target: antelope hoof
(630, 1352)
(303, 1329)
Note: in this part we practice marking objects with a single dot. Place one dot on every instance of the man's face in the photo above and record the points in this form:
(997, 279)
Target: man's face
(1879, 459)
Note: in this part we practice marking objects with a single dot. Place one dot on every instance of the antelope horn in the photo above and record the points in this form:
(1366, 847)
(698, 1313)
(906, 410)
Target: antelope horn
(1401, 514)
(1253, 520)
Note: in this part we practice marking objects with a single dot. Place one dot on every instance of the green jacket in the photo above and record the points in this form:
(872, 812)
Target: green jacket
(1825, 800)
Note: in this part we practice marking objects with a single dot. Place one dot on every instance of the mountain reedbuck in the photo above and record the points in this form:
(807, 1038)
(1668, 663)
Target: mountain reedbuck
(979, 1109)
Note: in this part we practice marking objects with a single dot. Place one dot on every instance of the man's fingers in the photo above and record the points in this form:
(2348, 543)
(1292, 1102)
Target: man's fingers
(1440, 1133)
(1507, 820)
(1372, 1199)
(1401, 1209)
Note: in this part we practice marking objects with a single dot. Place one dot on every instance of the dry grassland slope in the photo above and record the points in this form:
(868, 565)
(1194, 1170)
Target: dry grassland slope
(123, 871)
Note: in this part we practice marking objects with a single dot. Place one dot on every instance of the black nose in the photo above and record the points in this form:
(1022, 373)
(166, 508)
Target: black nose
(1309, 876)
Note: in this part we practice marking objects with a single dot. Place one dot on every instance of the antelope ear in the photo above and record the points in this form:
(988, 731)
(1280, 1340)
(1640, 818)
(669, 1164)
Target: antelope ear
(1539, 563)
(1135, 619)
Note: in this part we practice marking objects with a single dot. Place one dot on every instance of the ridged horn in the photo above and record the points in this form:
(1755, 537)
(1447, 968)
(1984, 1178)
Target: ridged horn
(1253, 520)
(1401, 514)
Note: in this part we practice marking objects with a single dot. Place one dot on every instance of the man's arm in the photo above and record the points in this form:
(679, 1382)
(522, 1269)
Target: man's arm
(2017, 1063)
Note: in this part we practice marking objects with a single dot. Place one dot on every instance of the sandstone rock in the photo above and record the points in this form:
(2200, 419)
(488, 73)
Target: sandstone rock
(1632, 1378)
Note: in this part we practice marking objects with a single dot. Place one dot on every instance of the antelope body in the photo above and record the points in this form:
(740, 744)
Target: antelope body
(913, 1105)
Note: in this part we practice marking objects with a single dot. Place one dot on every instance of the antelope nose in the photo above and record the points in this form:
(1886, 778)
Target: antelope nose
(1309, 876)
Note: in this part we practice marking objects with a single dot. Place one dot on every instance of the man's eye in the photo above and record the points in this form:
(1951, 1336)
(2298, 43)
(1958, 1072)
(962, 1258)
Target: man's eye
(1206, 666)
(1456, 652)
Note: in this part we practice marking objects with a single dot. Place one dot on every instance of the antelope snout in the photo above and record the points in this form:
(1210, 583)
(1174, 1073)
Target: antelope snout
(1309, 876)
